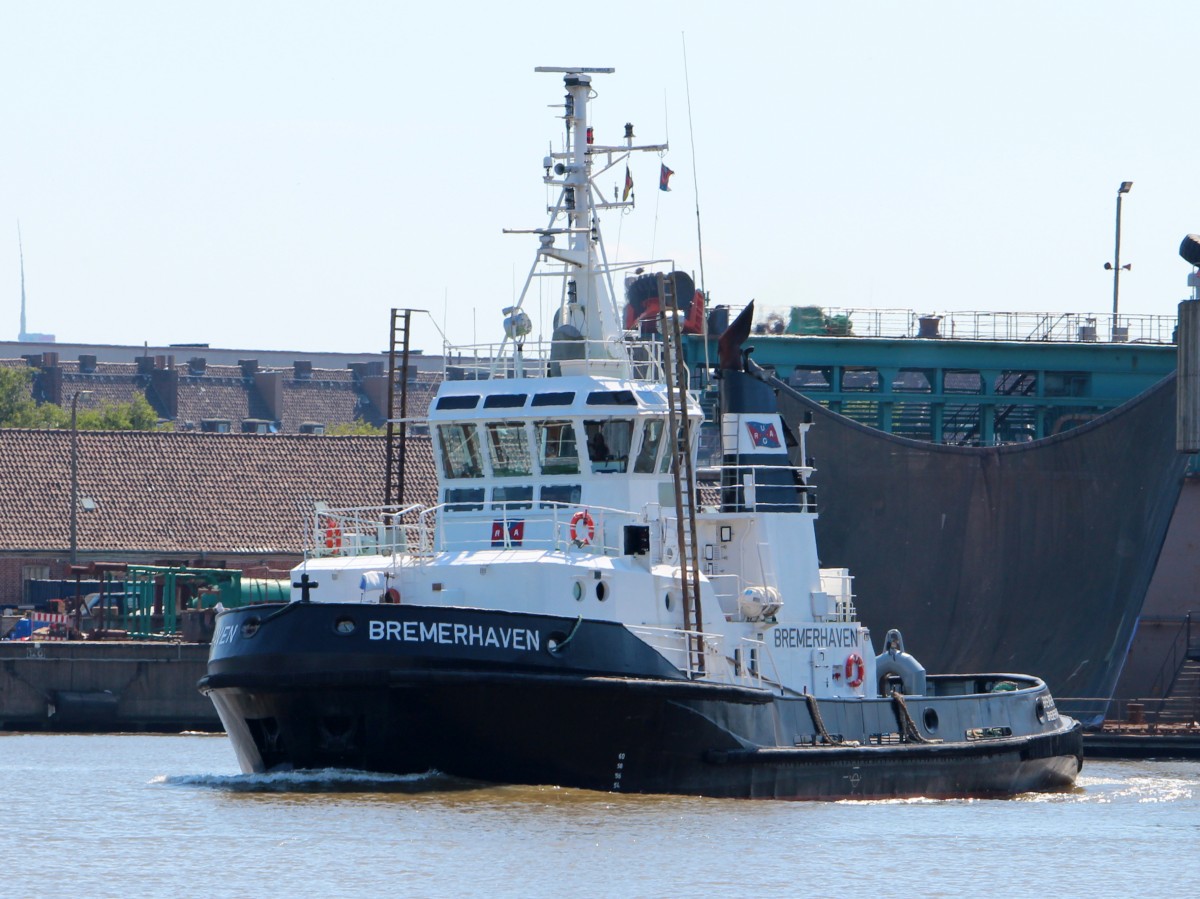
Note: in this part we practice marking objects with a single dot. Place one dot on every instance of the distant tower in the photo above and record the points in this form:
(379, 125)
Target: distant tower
(25, 336)
(21, 250)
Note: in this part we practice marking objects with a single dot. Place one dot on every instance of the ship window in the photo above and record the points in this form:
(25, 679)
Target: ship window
(557, 452)
(460, 450)
(561, 494)
(464, 499)
(652, 398)
(668, 456)
(512, 498)
(651, 438)
(611, 398)
(505, 401)
(508, 444)
(560, 398)
(608, 443)
(457, 402)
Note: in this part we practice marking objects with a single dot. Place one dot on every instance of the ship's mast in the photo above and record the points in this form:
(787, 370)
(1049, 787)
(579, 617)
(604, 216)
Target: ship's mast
(588, 304)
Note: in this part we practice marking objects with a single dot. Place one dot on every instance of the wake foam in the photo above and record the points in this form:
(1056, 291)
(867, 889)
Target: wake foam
(325, 780)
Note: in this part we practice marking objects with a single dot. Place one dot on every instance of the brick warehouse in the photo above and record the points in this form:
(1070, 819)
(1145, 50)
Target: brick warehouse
(197, 395)
(241, 500)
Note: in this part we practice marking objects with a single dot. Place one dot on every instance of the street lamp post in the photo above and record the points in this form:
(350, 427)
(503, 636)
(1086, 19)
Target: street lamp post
(1115, 265)
(75, 474)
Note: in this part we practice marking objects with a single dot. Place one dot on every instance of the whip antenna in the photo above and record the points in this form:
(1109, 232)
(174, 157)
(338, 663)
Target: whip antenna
(696, 192)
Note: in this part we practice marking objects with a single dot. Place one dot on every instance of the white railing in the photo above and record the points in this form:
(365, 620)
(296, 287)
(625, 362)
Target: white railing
(837, 583)
(535, 359)
(369, 530)
(677, 646)
(1065, 327)
(419, 531)
(748, 490)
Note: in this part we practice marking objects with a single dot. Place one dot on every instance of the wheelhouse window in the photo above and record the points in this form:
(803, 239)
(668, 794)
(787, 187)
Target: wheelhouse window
(608, 444)
(611, 398)
(504, 401)
(652, 433)
(464, 499)
(508, 444)
(457, 402)
(560, 494)
(512, 498)
(460, 450)
(557, 451)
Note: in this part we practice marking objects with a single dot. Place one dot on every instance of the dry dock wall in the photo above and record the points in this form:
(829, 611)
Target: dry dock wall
(99, 686)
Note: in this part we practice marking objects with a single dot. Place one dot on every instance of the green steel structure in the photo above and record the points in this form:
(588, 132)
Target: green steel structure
(154, 597)
(967, 391)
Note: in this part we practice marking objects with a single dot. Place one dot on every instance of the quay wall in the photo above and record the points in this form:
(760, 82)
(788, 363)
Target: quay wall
(97, 686)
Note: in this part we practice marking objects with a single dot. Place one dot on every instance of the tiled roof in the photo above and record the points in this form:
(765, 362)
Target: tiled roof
(213, 397)
(106, 388)
(189, 492)
(325, 401)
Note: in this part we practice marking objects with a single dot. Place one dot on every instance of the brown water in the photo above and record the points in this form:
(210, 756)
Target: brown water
(169, 816)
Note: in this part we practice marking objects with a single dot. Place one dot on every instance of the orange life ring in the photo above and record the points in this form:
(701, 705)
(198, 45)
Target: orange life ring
(582, 516)
(391, 595)
(333, 534)
(855, 670)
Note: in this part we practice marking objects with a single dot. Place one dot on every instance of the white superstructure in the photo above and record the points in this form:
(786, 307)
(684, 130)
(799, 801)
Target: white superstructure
(558, 470)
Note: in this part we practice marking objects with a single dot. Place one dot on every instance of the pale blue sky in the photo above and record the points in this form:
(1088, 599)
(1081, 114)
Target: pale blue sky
(278, 175)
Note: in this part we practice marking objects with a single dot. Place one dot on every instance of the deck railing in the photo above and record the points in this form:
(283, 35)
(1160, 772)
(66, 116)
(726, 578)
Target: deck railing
(420, 531)
(539, 358)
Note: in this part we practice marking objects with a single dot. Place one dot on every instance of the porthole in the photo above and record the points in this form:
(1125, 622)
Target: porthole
(577, 591)
(1039, 709)
(667, 601)
(931, 720)
(344, 626)
(601, 591)
(250, 627)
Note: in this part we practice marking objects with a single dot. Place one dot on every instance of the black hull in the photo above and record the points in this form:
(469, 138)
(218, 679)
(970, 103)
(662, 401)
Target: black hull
(636, 733)
(605, 736)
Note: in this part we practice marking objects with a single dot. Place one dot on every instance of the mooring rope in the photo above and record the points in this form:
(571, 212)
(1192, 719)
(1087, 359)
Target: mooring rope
(570, 636)
(815, 711)
(908, 727)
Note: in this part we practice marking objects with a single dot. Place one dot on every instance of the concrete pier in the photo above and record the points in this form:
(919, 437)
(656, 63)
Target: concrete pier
(104, 687)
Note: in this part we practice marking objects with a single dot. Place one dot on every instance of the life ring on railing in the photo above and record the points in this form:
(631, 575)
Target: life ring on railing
(333, 534)
(583, 517)
(391, 595)
(855, 670)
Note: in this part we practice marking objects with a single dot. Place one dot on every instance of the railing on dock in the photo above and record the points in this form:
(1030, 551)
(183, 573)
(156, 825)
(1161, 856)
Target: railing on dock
(1056, 327)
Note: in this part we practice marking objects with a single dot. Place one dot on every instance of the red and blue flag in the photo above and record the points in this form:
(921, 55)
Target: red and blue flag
(763, 434)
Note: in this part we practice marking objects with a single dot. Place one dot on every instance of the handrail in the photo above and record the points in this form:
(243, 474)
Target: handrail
(533, 358)
(1174, 661)
(1055, 327)
(419, 531)
(688, 638)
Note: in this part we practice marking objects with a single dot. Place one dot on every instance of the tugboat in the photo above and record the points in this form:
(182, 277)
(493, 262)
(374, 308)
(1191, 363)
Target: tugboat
(570, 612)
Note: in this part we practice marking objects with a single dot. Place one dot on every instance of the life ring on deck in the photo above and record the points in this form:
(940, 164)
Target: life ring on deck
(582, 517)
(333, 534)
(391, 595)
(855, 670)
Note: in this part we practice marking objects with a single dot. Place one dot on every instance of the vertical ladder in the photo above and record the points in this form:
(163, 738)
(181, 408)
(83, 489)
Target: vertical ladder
(681, 467)
(393, 492)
